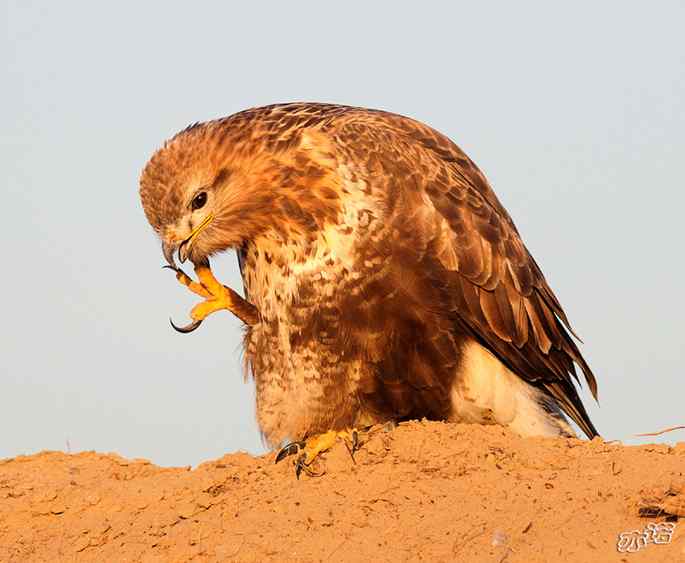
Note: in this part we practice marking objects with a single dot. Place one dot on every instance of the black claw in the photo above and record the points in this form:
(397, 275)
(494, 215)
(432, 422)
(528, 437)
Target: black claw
(355, 446)
(351, 450)
(192, 326)
(300, 463)
(299, 466)
(186, 329)
(289, 449)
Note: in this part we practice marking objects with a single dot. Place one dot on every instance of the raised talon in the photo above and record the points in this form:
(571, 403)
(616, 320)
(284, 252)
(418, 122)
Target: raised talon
(187, 328)
(217, 297)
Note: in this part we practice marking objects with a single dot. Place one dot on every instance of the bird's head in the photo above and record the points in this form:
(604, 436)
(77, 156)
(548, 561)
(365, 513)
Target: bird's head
(218, 185)
(203, 196)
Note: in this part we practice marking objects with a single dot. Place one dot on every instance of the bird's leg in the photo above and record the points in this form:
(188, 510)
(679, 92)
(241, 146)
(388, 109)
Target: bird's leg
(217, 297)
(223, 298)
(308, 450)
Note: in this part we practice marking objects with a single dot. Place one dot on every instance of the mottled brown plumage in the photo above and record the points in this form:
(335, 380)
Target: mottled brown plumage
(390, 281)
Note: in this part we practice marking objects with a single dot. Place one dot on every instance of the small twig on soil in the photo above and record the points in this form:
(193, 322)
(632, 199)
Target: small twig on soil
(458, 546)
(504, 557)
(337, 548)
(242, 542)
(671, 429)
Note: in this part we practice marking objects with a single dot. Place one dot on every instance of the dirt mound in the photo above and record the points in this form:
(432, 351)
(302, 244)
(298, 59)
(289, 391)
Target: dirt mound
(424, 491)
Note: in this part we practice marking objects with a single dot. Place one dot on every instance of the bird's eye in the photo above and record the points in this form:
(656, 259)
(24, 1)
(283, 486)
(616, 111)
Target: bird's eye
(199, 201)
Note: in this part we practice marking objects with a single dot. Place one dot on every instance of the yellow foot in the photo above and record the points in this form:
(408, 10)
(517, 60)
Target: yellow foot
(308, 450)
(217, 297)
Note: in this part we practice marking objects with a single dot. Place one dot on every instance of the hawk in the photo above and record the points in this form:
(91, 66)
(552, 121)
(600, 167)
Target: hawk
(383, 278)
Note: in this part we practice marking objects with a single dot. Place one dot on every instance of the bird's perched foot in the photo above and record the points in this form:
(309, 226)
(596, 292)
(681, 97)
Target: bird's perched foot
(217, 297)
(308, 450)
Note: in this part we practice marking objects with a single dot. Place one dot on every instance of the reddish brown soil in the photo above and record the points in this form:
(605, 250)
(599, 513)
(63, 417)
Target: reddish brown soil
(422, 492)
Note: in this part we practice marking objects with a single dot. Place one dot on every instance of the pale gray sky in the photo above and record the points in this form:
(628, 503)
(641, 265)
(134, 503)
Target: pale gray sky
(575, 112)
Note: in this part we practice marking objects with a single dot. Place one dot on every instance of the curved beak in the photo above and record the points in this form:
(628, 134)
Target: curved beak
(183, 250)
(169, 249)
(183, 247)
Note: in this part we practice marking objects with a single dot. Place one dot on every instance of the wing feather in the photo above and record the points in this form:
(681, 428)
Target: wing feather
(497, 292)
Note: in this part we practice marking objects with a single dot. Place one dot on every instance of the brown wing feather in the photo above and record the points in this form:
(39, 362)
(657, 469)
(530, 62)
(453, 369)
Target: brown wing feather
(496, 289)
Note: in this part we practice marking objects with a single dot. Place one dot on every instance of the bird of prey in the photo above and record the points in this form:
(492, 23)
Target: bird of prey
(383, 278)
